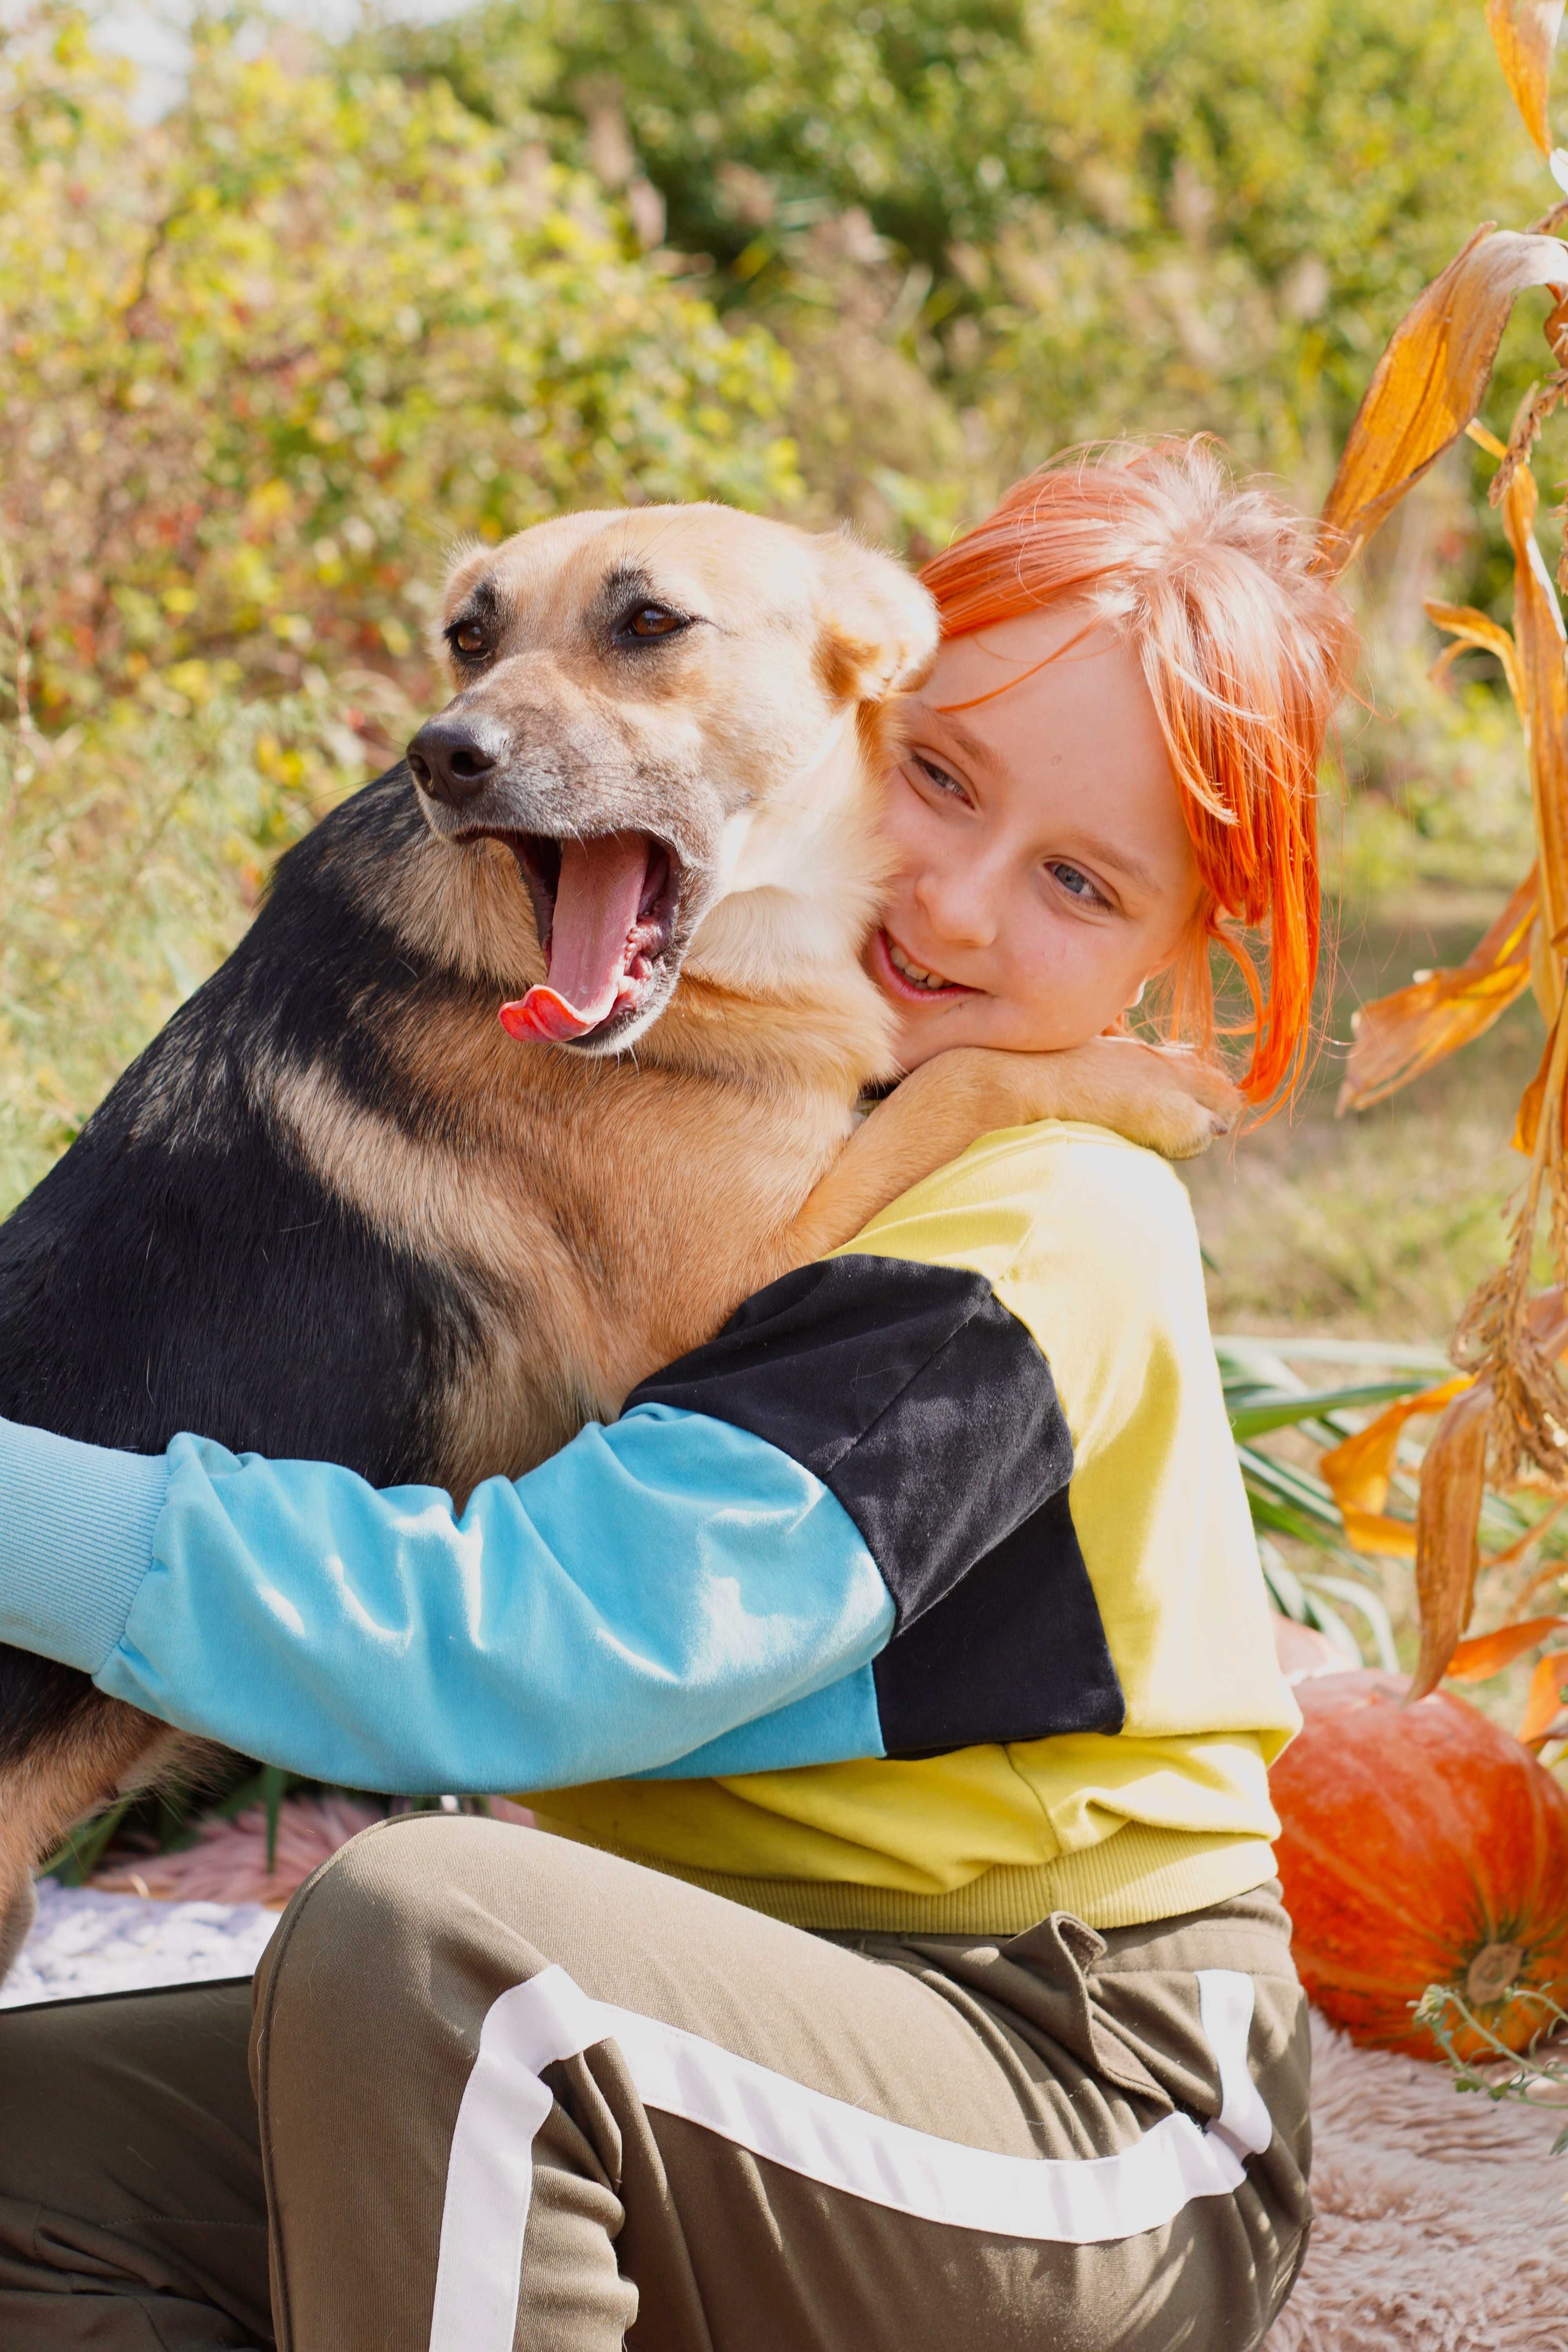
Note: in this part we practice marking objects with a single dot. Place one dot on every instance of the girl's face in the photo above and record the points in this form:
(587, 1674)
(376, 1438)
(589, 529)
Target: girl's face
(1043, 868)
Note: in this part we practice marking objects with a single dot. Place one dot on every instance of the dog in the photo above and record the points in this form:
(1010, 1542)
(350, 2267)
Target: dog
(339, 1209)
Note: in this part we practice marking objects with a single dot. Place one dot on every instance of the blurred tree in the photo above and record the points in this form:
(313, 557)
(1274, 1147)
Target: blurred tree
(263, 361)
(1068, 218)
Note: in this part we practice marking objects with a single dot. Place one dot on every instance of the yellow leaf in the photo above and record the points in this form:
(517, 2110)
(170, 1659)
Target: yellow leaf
(1470, 629)
(1489, 1654)
(1376, 1532)
(1524, 33)
(1548, 1688)
(192, 678)
(1357, 1472)
(1431, 379)
(267, 504)
(1399, 1036)
(1447, 1514)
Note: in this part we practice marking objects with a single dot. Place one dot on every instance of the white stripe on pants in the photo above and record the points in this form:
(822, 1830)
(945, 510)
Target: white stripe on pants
(1070, 2200)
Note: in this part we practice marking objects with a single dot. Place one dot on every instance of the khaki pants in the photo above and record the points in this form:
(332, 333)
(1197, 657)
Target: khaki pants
(516, 2095)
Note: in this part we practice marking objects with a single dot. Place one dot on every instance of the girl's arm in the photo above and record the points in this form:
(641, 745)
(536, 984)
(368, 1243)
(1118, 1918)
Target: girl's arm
(721, 1580)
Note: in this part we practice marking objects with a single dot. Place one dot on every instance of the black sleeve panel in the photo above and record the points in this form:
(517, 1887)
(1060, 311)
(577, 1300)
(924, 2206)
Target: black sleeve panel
(930, 1412)
(908, 1390)
(1018, 1651)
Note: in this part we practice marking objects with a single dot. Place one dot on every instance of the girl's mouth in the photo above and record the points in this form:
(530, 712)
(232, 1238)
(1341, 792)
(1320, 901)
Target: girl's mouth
(912, 983)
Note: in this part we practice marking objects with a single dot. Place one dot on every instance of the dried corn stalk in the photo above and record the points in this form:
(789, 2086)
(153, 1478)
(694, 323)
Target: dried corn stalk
(1507, 1420)
(1432, 379)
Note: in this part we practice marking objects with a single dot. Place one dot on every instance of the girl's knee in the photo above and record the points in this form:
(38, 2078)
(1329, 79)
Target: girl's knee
(405, 1918)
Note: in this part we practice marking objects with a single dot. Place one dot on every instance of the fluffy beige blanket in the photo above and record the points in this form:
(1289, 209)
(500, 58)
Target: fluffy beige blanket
(1442, 2225)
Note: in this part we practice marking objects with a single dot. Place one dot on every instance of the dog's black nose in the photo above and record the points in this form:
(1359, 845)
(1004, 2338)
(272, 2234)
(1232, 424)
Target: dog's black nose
(449, 761)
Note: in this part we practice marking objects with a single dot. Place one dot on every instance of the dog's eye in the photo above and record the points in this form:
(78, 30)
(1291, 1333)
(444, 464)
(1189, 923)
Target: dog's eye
(468, 638)
(654, 621)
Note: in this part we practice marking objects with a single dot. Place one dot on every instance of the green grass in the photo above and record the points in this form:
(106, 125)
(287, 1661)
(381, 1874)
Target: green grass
(1378, 1225)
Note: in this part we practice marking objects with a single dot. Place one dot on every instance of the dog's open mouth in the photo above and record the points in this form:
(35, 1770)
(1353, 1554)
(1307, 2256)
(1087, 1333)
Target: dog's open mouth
(605, 910)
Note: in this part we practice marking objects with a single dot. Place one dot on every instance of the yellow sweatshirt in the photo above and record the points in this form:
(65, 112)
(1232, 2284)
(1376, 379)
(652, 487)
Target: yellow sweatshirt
(1087, 1245)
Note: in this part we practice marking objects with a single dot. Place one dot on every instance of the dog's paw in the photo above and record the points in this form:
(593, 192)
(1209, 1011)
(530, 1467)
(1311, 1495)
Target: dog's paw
(1162, 1096)
(1180, 1125)
(1204, 1105)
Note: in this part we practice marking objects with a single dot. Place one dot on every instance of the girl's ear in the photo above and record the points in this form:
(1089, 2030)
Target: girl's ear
(876, 625)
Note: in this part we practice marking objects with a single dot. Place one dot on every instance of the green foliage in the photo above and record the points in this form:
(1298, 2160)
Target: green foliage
(1431, 785)
(1264, 1396)
(1094, 214)
(132, 847)
(263, 362)
(268, 359)
(1313, 1574)
(1538, 2076)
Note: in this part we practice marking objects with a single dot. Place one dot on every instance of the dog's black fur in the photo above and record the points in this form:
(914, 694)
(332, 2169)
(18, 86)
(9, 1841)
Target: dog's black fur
(182, 1268)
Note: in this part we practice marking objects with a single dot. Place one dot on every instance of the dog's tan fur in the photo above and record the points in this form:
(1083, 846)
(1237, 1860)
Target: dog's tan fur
(679, 1181)
(611, 1209)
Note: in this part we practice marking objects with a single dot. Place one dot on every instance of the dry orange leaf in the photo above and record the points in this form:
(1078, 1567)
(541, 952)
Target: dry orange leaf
(1447, 1514)
(1399, 1036)
(1548, 1689)
(1524, 33)
(1432, 379)
(1357, 1472)
(1539, 635)
(1527, 1119)
(1489, 1654)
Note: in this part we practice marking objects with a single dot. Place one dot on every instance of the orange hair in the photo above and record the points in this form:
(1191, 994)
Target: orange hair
(1246, 649)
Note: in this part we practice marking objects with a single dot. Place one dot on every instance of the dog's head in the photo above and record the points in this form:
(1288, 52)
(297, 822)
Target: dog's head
(631, 689)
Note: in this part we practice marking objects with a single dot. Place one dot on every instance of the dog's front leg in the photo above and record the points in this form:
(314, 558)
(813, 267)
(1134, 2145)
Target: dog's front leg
(101, 1750)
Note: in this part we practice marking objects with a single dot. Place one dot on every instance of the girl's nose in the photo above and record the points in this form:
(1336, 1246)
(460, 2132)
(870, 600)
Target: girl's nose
(958, 904)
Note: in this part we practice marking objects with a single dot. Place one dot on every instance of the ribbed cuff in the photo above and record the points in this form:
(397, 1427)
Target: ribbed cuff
(1137, 1876)
(76, 1540)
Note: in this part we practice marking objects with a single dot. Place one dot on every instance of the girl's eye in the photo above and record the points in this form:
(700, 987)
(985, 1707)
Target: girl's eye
(939, 776)
(1078, 884)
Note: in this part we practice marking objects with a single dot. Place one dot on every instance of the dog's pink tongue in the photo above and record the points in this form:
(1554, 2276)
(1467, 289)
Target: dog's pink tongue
(597, 901)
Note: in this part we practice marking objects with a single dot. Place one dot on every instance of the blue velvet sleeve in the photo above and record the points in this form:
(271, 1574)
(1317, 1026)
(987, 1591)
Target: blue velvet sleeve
(665, 1589)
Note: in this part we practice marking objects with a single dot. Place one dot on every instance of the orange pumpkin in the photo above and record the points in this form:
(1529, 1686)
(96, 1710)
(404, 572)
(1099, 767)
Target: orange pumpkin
(1422, 1845)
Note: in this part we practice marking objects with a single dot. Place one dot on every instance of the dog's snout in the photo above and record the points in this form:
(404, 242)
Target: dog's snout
(450, 762)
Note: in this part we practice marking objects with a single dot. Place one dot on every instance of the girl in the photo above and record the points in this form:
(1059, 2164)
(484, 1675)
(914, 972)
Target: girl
(908, 1966)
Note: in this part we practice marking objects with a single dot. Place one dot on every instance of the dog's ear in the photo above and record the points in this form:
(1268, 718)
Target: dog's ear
(877, 631)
